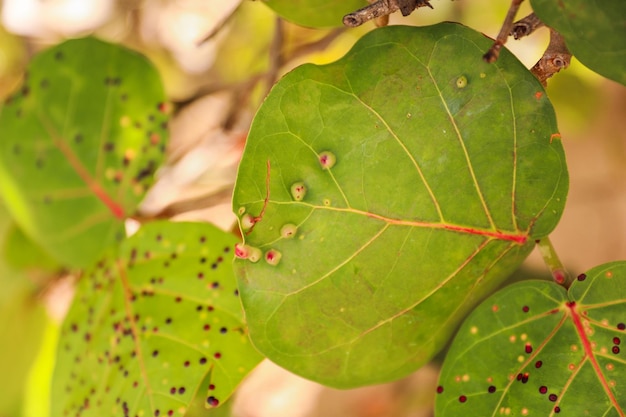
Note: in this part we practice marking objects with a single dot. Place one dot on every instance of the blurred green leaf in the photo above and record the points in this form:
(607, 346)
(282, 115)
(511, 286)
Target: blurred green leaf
(80, 141)
(315, 13)
(388, 193)
(594, 32)
(20, 252)
(22, 321)
(534, 349)
(149, 327)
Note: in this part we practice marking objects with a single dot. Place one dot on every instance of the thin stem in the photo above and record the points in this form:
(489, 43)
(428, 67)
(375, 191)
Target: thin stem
(381, 8)
(526, 26)
(493, 52)
(554, 59)
(553, 262)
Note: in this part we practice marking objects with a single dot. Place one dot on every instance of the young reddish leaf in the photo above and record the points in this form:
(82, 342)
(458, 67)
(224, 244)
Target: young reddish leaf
(80, 141)
(594, 32)
(151, 326)
(444, 171)
(534, 349)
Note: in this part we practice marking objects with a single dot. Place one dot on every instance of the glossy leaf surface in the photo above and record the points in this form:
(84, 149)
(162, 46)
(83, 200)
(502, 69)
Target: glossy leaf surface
(594, 32)
(536, 349)
(386, 194)
(151, 326)
(79, 143)
(315, 13)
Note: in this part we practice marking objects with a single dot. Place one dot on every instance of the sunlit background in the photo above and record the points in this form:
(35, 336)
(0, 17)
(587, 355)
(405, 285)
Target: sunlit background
(218, 59)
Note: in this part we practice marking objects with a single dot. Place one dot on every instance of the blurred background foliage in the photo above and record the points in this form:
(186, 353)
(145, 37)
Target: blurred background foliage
(218, 59)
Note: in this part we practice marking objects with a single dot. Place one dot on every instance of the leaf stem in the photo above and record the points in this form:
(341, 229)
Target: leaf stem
(553, 262)
(492, 54)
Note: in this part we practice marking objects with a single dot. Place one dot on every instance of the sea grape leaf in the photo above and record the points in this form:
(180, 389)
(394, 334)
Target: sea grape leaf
(594, 32)
(79, 142)
(388, 193)
(315, 13)
(149, 327)
(536, 349)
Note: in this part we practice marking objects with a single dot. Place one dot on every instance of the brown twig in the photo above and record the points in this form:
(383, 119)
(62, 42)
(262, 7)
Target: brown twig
(554, 59)
(382, 20)
(217, 28)
(493, 52)
(383, 8)
(526, 26)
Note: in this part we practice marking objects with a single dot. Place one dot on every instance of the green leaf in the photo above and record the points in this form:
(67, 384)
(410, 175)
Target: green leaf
(315, 13)
(80, 141)
(22, 323)
(149, 327)
(594, 32)
(427, 175)
(534, 349)
(20, 252)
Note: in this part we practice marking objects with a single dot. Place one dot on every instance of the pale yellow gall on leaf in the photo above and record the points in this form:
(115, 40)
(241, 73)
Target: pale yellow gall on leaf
(254, 254)
(247, 221)
(327, 159)
(298, 191)
(288, 231)
(272, 257)
(461, 82)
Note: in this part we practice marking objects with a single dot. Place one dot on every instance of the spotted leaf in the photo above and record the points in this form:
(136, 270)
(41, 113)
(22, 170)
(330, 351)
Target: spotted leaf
(80, 141)
(536, 349)
(594, 32)
(399, 185)
(153, 325)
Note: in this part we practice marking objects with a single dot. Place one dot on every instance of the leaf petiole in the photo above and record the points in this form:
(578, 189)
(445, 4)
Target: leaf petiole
(553, 262)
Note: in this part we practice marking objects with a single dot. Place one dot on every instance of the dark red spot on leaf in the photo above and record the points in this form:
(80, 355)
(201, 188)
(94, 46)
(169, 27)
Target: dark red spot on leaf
(581, 277)
(552, 397)
(181, 390)
(616, 341)
(212, 401)
(439, 389)
(462, 398)
(538, 364)
(621, 326)
(557, 409)
(491, 389)
(528, 348)
(543, 389)
(525, 309)
(615, 349)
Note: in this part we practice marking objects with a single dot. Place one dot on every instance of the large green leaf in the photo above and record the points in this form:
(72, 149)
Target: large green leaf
(534, 349)
(78, 145)
(151, 326)
(593, 30)
(315, 13)
(395, 188)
